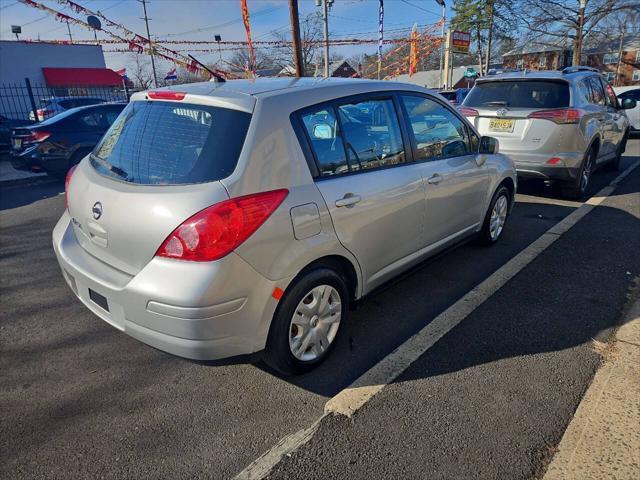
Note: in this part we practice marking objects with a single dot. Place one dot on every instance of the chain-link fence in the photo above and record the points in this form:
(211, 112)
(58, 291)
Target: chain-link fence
(27, 101)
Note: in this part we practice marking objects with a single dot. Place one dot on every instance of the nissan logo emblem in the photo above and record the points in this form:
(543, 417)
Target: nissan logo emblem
(96, 210)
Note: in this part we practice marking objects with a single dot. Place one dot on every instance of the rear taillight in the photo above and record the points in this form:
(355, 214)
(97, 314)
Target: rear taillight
(219, 229)
(166, 95)
(67, 181)
(468, 112)
(559, 115)
(36, 137)
(43, 113)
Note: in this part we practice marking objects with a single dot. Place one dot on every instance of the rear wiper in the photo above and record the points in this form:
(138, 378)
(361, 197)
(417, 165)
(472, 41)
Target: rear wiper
(112, 168)
(497, 103)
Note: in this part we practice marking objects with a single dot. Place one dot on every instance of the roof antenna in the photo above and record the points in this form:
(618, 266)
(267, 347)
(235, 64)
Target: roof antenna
(217, 76)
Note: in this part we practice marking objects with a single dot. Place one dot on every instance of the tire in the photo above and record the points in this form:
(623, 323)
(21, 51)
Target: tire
(615, 163)
(306, 332)
(496, 217)
(578, 188)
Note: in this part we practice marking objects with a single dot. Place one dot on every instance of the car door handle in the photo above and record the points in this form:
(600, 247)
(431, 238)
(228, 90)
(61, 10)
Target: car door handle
(349, 200)
(435, 179)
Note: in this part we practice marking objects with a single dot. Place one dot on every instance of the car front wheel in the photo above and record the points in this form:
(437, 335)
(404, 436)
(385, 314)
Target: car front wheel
(496, 216)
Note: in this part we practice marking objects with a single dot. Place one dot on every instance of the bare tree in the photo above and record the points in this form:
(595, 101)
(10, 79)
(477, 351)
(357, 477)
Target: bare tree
(571, 20)
(141, 74)
(310, 35)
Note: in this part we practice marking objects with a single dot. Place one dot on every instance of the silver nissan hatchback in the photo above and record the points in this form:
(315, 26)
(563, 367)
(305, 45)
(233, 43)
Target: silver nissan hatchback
(223, 219)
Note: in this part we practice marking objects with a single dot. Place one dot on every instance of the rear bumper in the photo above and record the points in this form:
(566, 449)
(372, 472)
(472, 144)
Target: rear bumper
(202, 311)
(534, 165)
(31, 158)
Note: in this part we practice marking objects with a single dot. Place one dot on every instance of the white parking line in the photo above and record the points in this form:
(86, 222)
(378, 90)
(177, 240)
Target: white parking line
(349, 400)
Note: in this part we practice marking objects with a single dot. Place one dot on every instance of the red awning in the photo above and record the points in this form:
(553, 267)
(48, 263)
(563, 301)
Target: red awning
(81, 77)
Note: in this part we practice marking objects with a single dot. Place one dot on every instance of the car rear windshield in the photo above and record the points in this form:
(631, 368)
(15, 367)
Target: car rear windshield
(169, 143)
(519, 94)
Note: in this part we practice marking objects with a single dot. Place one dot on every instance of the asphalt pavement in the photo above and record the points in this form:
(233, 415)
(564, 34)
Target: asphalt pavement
(82, 400)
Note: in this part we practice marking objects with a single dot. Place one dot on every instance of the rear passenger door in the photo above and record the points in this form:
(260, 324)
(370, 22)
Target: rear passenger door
(456, 186)
(604, 118)
(374, 194)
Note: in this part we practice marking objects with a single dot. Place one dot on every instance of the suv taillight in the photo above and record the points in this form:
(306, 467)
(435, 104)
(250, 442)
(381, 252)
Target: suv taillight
(36, 137)
(219, 229)
(468, 112)
(67, 181)
(559, 115)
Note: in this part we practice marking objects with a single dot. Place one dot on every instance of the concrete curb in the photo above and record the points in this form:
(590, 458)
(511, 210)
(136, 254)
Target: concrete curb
(603, 439)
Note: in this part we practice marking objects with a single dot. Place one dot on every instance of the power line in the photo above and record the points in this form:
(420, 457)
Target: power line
(420, 8)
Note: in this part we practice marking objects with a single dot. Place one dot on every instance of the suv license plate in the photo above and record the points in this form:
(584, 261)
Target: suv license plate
(17, 143)
(501, 125)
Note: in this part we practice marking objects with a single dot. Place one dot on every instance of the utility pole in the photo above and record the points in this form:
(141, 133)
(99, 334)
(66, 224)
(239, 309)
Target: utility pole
(153, 63)
(444, 20)
(295, 35)
(69, 30)
(447, 58)
(326, 4)
(616, 81)
(487, 60)
(577, 51)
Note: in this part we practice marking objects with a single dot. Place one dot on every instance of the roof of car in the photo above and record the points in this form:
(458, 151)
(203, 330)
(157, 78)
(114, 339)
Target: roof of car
(261, 86)
(542, 74)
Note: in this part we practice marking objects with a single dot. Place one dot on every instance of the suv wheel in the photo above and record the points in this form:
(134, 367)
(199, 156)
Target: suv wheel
(307, 322)
(622, 146)
(496, 216)
(578, 188)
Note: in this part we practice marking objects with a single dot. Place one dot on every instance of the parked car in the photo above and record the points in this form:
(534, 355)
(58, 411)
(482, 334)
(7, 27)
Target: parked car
(55, 105)
(633, 114)
(55, 145)
(556, 125)
(216, 220)
(455, 97)
(6, 127)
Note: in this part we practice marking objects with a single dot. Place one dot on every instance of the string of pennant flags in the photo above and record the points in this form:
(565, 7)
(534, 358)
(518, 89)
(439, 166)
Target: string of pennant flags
(421, 44)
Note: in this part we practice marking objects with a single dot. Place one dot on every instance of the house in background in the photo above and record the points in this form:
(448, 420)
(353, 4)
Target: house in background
(554, 55)
(431, 78)
(339, 68)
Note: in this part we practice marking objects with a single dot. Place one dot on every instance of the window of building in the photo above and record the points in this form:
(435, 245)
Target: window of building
(610, 76)
(638, 56)
(520, 64)
(610, 58)
(542, 61)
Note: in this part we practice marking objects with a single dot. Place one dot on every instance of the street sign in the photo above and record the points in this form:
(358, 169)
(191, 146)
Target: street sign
(470, 73)
(460, 41)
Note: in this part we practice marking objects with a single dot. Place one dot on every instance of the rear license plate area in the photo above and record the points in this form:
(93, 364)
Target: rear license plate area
(17, 143)
(501, 125)
(99, 300)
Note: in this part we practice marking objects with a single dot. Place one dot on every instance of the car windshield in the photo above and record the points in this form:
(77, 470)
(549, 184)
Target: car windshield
(519, 94)
(169, 143)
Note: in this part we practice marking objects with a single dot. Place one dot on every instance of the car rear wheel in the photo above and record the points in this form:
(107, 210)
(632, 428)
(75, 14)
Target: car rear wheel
(496, 216)
(307, 322)
(615, 163)
(578, 188)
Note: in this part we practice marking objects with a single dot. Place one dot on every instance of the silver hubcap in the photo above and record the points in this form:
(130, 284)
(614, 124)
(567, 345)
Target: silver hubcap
(315, 323)
(498, 217)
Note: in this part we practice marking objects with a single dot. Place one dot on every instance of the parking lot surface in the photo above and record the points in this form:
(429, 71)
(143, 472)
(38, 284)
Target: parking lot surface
(491, 399)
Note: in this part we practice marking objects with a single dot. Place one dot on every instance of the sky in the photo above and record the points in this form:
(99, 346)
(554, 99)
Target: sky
(202, 19)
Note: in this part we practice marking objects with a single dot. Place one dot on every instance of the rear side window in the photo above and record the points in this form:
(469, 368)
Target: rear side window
(597, 92)
(169, 143)
(519, 94)
(68, 104)
(324, 132)
(632, 94)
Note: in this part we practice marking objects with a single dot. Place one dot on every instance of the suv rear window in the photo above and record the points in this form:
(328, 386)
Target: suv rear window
(519, 94)
(169, 143)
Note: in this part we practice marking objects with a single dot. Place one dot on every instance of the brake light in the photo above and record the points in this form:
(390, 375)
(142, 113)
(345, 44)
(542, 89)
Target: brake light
(468, 112)
(554, 160)
(219, 229)
(559, 115)
(67, 181)
(43, 113)
(36, 137)
(166, 95)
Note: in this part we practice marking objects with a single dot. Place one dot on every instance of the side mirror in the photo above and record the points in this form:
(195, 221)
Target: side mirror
(322, 131)
(488, 145)
(629, 103)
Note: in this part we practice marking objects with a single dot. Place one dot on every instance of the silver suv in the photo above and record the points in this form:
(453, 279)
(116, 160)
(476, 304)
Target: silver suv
(214, 220)
(555, 125)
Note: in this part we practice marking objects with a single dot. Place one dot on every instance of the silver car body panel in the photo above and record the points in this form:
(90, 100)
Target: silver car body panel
(209, 310)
